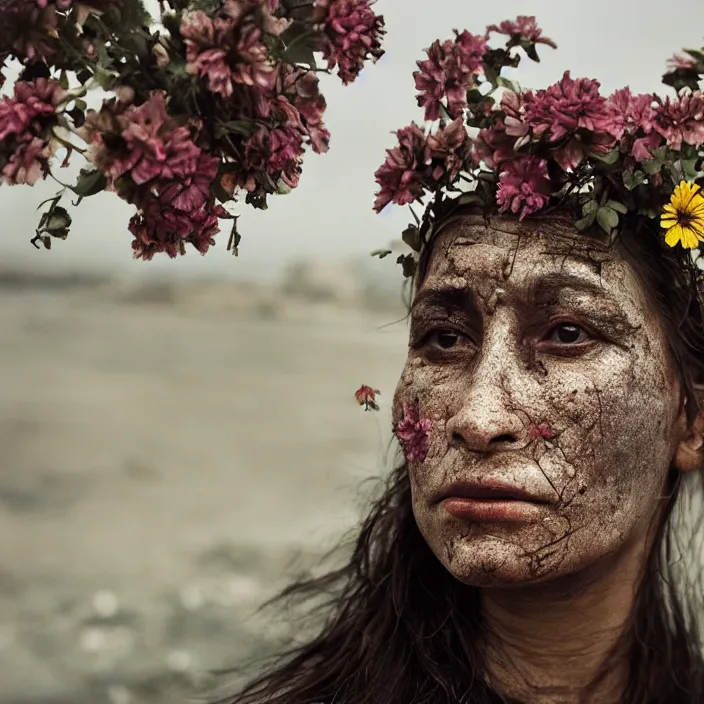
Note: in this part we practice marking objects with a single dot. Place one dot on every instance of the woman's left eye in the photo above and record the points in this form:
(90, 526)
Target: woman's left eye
(568, 334)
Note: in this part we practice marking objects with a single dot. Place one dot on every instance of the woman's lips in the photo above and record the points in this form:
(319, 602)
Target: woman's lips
(492, 503)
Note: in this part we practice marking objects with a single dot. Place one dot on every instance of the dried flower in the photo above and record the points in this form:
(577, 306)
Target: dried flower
(366, 396)
(541, 430)
(28, 163)
(444, 78)
(401, 175)
(566, 106)
(351, 35)
(524, 186)
(681, 120)
(276, 152)
(683, 217)
(448, 153)
(148, 144)
(412, 433)
(229, 49)
(524, 28)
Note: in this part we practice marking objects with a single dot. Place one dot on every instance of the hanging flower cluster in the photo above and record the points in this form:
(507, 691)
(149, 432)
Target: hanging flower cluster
(217, 107)
(607, 160)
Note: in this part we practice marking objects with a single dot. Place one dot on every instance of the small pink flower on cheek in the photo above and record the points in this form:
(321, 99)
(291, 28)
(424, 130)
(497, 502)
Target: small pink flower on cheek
(540, 431)
(412, 433)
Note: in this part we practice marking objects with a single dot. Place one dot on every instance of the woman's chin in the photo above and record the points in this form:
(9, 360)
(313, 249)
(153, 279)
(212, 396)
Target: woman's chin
(490, 561)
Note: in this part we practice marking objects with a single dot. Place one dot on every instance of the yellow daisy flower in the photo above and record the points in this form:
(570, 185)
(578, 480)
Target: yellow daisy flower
(683, 217)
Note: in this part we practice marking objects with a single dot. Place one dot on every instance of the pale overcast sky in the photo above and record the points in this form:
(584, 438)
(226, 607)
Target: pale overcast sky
(329, 215)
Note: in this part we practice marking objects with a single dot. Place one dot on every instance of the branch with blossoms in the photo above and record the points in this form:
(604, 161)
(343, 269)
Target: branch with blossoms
(609, 161)
(216, 105)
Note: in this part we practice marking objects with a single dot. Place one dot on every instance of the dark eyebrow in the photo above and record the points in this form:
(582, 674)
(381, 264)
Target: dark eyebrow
(447, 297)
(545, 287)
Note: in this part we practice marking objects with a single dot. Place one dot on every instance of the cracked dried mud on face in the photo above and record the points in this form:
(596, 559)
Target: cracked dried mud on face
(523, 326)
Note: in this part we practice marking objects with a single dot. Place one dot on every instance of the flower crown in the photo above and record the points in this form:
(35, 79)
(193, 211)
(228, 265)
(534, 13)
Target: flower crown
(608, 162)
(220, 102)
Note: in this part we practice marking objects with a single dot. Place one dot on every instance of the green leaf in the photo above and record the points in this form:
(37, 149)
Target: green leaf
(607, 219)
(617, 206)
(652, 166)
(610, 157)
(381, 253)
(411, 236)
(219, 192)
(89, 183)
(58, 222)
(633, 179)
(408, 263)
(244, 127)
(689, 169)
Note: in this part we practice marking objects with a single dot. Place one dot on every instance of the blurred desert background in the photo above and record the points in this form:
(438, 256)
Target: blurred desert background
(173, 451)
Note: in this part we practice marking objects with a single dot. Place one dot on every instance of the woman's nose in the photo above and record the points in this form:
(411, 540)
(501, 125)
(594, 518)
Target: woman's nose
(486, 419)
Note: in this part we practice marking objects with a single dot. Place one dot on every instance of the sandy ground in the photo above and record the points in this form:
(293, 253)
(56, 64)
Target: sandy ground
(168, 458)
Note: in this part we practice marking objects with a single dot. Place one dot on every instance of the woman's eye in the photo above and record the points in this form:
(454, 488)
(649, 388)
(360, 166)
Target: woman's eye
(568, 334)
(445, 339)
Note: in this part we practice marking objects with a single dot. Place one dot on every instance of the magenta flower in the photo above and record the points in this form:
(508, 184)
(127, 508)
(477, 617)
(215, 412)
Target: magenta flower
(524, 186)
(412, 433)
(158, 227)
(629, 113)
(149, 144)
(26, 123)
(32, 108)
(542, 430)
(229, 49)
(351, 35)
(401, 175)
(493, 145)
(523, 28)
(276, 152)
(303, 90)
(681, 120)
(28, 163)
(447, 74)
(448, 151)
(566, 106)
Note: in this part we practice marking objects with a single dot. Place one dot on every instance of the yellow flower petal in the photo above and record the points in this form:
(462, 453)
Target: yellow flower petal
(674, 235)
(689, 238)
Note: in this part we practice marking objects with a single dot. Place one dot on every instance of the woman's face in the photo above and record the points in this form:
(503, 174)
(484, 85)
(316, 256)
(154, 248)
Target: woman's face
(552, 401)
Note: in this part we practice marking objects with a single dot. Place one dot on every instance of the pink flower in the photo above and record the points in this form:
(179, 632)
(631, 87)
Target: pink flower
(305, 96)
(493, 145)
(366, 396)
(351, 35)
(159, 227)
(229, 49)
(33, 106)
(524, 28)
(149, 145)
(629, 113)
(540, 431)
(681, 120)
(524, 186)
(566, 106)
(447, 74)
(412, 433)
(682, 62)
(401, 175)
(276, 152)
(28, 163)
(448, 152)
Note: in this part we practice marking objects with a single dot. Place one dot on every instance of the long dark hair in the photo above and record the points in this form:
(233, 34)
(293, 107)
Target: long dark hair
(394, 626)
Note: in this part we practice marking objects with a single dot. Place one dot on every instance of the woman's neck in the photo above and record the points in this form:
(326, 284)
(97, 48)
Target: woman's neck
(562, 642)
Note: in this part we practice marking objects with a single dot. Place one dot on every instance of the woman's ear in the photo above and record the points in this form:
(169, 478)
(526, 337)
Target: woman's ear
(689, 456)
